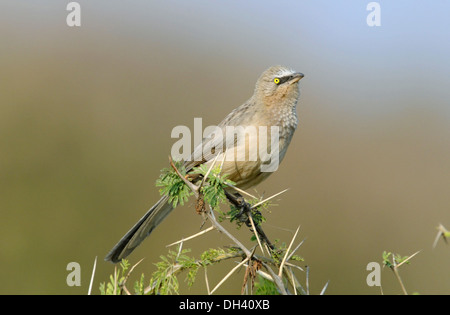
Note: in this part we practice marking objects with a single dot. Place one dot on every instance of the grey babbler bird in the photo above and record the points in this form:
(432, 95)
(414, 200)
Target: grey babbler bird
(273, 103)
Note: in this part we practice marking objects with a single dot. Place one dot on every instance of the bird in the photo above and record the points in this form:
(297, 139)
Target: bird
(273, 104)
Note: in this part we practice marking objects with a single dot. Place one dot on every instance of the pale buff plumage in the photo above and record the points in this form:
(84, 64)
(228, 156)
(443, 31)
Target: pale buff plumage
(271, 105)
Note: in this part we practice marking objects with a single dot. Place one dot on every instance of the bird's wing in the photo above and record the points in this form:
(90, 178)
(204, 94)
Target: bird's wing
(218, 139)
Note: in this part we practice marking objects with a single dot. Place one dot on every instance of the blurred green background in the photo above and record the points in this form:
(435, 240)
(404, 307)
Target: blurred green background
(86, 114)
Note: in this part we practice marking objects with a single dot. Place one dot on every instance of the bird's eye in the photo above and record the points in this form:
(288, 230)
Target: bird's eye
(276, 81)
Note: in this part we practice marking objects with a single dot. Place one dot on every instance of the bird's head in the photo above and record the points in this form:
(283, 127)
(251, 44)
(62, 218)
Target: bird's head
(278, 84)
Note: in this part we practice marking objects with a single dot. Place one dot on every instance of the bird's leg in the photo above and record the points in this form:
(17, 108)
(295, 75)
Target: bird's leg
(245, 210)
(239, 202)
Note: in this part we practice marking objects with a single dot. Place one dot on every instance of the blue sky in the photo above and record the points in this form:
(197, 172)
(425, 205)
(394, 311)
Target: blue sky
(375, 69)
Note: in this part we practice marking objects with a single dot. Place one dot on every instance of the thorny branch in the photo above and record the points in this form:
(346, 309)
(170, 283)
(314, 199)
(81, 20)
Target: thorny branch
(245, 215)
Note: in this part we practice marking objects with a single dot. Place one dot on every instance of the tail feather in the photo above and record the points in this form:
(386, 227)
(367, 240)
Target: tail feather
(140, 230)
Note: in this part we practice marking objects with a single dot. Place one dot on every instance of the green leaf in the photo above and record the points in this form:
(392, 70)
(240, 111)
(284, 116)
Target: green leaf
(265, 287)
(173, 186)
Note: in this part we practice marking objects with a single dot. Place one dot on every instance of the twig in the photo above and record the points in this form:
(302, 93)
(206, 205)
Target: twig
(209, 170)
(267, 199)
(324, 288)
(297, 284)
(257, 228)
(307, 280)
(220, 228)
(229, 274)
(176, 268)
(122, 285)
(207, 282)
(256, 233)
(290, 276)
(192, 236)
(292, 253)
(394, 267)
(293, 281)
(126, 290)
(442, 231)
(92, 276)
(179, 250)
(294, 266)
(240, 191)
(115, 280)
(397, 275)
(407, 259)
(276, 279)
(287, 252)
(246, 208)
(194, 188)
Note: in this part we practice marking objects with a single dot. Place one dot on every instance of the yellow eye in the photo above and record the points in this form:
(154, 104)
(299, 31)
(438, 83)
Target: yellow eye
(276, 81)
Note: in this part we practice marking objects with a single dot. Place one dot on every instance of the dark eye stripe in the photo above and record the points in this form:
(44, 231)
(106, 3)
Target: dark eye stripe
(284, 79)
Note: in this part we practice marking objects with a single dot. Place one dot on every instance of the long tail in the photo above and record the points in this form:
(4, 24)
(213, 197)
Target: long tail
(140, 230)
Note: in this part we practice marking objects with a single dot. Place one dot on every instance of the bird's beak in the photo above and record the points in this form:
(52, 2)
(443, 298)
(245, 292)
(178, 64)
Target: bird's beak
(296, 77)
